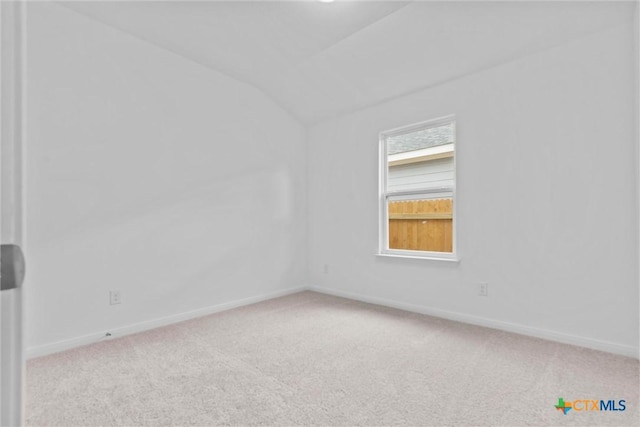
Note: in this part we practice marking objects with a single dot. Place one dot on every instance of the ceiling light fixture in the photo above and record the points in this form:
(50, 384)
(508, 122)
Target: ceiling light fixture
(326, 1)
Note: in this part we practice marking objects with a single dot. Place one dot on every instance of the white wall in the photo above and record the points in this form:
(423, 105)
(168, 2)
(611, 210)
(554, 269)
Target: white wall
(185, 189)
(153, 175)
(636, 37)
(546, 191)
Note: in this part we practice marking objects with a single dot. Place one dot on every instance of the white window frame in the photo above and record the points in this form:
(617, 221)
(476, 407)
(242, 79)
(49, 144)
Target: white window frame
(385, 195)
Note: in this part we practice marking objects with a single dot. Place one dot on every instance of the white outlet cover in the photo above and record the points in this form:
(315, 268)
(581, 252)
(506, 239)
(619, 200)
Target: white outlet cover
(483, 289)
(114, 297)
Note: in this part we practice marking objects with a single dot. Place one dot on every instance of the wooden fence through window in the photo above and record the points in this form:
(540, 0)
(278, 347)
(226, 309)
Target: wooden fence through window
(421, 225)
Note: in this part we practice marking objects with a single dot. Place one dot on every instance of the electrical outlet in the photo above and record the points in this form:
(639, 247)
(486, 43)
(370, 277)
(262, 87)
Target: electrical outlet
(483, 289)
(326, 269)
(114, 297)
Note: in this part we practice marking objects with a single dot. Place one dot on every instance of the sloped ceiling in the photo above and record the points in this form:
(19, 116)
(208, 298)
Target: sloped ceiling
(318, 60)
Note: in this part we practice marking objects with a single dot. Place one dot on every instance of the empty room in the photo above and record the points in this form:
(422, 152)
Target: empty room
(323, 213)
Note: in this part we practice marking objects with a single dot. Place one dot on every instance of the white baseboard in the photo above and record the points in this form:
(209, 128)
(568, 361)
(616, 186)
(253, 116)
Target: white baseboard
(55, 347)
(610, 347)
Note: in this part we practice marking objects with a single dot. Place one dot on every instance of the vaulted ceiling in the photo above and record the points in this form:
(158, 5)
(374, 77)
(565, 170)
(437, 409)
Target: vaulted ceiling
(318, 60)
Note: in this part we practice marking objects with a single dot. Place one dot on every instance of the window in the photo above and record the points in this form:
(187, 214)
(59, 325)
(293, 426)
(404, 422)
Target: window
(417, 190)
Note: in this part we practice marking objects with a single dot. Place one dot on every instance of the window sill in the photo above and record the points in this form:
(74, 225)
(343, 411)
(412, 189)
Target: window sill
(452, 259)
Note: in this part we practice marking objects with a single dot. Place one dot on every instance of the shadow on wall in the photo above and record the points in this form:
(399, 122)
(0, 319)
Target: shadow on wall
(197, 237)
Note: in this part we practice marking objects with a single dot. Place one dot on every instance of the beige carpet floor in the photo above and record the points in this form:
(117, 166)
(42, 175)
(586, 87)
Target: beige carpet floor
(312, 359)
